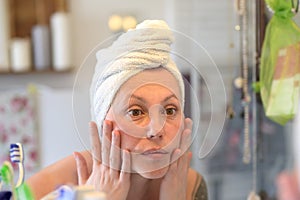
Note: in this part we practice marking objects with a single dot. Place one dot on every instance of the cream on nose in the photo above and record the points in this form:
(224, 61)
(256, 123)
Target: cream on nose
(157, 121)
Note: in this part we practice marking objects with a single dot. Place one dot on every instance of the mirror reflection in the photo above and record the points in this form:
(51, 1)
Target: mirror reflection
(149, 100)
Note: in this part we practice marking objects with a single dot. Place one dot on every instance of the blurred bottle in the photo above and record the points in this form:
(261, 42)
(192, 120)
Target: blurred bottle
(4, 36)
(61, 37)
(96, 195)
(41, 38)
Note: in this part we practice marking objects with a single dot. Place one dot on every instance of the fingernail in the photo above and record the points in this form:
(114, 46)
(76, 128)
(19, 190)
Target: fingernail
(75, 155)
(107, 122)
(91, 123)
(114, 136)
(127, 150)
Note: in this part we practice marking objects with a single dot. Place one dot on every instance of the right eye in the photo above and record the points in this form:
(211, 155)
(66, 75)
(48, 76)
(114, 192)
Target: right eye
(135, 112)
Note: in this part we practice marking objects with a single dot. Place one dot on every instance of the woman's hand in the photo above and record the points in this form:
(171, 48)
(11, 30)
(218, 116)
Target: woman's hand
(110, 172)
(174, 183)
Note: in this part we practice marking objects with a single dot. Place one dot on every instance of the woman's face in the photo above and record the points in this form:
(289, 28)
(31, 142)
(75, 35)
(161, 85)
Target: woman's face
(149, 116)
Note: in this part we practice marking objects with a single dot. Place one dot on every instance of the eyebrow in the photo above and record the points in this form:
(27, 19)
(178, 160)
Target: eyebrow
(144, 101)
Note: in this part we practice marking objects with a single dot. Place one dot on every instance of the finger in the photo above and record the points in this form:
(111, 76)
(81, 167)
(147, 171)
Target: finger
(106, 142)
(185, 141)
(174, 160)
(188, 123)
(96, 144)
(184, 162)
(82, 169)
(126, 166)
(115, 155)
(190, 155)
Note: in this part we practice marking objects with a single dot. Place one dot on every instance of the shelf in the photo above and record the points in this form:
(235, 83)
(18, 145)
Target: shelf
(48, 71)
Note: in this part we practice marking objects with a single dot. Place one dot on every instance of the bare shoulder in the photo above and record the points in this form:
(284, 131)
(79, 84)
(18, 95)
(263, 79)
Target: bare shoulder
(194, 179)
(196, 188)
(61, 172)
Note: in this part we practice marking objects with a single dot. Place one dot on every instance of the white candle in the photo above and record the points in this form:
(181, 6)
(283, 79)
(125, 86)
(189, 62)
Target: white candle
(20, 54)
(4, 35)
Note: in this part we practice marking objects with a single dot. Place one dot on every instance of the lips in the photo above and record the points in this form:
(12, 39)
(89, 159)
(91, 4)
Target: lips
(155, 152)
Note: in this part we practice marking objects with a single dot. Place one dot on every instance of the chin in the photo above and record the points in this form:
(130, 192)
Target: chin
(149, 167)
(156, 174)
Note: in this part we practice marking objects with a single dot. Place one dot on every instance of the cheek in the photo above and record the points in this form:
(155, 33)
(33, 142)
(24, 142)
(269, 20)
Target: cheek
(174, 127)
(174, 132)
(174, 139)
(128, 142)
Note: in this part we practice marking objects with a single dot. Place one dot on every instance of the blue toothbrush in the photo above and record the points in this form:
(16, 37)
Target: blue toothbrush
(17, 156)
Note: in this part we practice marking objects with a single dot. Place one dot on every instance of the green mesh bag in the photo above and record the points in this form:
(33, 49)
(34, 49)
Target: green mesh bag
(280, 64)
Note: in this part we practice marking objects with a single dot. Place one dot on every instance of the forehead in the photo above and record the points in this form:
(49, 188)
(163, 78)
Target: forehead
(159, 77)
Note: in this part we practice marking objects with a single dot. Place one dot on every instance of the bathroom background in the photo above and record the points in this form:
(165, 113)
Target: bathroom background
(36, 106)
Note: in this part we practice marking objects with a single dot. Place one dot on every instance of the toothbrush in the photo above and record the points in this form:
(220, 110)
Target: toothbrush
(17, 156)
(7, 176)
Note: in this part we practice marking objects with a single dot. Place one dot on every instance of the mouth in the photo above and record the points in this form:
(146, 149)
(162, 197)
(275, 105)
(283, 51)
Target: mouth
(155, 153)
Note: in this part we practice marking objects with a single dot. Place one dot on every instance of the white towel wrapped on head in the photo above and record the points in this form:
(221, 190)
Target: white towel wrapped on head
(145, 47)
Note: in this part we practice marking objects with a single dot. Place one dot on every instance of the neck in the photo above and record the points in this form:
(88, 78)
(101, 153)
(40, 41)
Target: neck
(143, 188)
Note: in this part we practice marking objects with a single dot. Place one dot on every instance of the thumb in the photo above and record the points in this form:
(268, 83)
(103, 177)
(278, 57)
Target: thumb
(82, 169)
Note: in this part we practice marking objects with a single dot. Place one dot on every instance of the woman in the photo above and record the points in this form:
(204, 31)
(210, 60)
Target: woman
(137, 98)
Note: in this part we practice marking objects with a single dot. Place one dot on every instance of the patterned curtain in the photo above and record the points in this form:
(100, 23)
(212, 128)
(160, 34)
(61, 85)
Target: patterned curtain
(18, 123)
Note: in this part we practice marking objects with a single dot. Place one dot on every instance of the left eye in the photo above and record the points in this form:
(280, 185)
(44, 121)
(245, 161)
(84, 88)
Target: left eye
(170, 111)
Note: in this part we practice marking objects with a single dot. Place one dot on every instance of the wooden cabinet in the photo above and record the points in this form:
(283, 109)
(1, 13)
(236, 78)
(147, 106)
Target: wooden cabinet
(23, 16)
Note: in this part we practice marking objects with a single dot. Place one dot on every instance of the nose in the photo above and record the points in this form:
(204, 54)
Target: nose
(157, 122)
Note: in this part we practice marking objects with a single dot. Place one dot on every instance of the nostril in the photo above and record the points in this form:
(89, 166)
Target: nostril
(157, 134)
